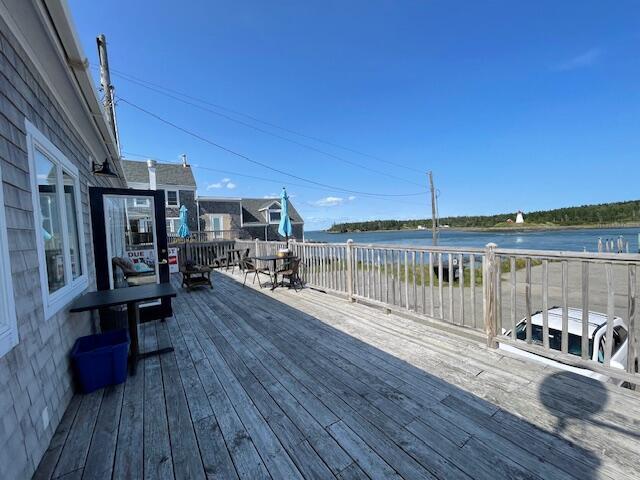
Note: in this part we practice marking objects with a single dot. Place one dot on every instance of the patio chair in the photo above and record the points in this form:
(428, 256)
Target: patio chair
(131, 276)
(290, 272)
(248, 266)
(243, 256)
(218, 262)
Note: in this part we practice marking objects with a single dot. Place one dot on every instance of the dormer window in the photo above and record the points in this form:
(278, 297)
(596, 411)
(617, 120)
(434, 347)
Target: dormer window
(274, 215)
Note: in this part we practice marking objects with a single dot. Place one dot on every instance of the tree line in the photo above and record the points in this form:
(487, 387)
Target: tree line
(600, 214)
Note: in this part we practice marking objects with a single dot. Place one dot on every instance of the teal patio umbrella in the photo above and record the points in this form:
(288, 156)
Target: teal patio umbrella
(285, 229)
(183, 229)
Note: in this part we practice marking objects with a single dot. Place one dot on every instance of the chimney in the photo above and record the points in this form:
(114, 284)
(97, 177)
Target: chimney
(184, 160)
(151, 165)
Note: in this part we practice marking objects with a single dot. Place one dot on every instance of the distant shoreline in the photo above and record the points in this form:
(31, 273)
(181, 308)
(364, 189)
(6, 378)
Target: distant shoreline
(522, 228)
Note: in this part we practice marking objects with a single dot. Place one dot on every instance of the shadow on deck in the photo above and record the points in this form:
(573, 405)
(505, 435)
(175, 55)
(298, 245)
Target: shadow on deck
(304, 385)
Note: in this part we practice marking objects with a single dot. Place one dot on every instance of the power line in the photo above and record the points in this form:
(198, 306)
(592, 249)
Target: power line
(150, 85)
(254, 177)
(257, 162)
(281, 137)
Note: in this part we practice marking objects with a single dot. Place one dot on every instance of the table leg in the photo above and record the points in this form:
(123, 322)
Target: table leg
(133, 314)
(275, 275)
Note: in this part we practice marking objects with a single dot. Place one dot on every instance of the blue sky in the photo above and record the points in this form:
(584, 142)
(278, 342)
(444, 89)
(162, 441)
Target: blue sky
(513, 105)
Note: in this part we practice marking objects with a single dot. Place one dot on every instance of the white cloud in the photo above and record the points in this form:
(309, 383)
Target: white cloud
(585, 59)
(352, 198)
(328, 202)
(225, 182)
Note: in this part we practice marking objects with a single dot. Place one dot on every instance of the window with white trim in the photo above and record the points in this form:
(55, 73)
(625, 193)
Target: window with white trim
(173, 224)
(274, 215)
(173, 200)
(55, 188)
(8, 325)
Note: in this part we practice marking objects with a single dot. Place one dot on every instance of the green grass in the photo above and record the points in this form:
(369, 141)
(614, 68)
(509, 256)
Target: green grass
(423, 272)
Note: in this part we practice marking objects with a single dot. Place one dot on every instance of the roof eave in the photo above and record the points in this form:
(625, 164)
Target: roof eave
(58, 12)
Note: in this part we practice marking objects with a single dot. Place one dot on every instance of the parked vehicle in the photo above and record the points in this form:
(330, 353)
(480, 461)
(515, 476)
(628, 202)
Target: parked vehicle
(597, 338)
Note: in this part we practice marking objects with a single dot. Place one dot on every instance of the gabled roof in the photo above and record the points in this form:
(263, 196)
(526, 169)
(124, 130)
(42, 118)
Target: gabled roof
(275, 204)
(166, 173)
(253, 210)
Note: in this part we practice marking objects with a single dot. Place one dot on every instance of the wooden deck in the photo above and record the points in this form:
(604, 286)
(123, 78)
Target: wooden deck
(291, 385)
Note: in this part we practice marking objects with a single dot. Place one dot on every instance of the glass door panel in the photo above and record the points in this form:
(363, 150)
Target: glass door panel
(131, 240)
(130, 243)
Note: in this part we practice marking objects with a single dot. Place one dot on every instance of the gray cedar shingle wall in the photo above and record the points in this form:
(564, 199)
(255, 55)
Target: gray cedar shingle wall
(188, 199)
(166, 174)
(231, 208)
(36, 373)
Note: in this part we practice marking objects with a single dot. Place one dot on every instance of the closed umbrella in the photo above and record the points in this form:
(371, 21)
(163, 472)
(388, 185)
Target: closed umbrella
(284, 228)
(183, 230)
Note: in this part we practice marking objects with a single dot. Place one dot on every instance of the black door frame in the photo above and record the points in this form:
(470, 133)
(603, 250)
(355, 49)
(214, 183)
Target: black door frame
(96, 201)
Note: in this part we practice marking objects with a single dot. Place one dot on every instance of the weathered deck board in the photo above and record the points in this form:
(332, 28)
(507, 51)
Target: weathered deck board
(304, 385)
(158, 461)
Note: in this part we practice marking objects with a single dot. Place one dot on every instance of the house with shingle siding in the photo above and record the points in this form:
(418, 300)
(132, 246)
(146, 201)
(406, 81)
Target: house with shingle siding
(52, 128)
(176, 180)
(224, 217)
(246, 218)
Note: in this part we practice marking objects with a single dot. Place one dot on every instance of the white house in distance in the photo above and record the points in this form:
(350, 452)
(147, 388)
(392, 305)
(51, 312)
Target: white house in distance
(519, 217)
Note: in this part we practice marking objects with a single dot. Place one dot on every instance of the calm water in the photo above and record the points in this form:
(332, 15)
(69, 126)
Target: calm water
(576, 240)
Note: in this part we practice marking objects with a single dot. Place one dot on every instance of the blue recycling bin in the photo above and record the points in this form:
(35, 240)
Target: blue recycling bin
(100, 360)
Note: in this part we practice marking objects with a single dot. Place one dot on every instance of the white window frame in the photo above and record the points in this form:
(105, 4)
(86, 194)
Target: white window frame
(141, 203)
(9, 326)
(177, 197)
(220, 217)
(172, 226)
(279, 210)
(54, 302)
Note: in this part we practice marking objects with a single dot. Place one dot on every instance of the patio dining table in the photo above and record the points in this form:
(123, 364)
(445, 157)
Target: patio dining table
(273, 260)
(131, 297)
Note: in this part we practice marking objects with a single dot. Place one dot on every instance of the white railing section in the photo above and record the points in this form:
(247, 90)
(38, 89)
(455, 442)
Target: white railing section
(578, 285)
(493, 292)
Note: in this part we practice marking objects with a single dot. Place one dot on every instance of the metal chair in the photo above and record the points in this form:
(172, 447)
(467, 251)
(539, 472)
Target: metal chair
(248, 266)
(290, 272)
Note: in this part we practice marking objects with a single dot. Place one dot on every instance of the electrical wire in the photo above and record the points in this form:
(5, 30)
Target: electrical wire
(254, 177)
(150, 85)
(257, 162)
(281, 137)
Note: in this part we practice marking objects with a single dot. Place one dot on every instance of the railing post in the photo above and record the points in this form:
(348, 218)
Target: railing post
(350, 269)
(490, 276)
(634, 328)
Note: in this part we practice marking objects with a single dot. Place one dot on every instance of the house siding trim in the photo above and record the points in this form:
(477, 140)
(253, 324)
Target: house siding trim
(36, 376)
(8, 333)
(53, 303)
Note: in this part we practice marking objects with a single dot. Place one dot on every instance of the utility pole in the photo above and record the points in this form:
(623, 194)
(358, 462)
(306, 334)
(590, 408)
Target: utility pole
(434, 211)
(105, 80)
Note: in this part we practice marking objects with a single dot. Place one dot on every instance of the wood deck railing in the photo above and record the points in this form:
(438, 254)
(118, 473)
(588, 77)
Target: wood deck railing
(202, 253)
(208, 236)
(589, 282)
(486, 292)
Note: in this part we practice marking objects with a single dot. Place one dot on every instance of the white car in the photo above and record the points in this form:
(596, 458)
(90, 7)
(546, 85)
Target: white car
(597, 337)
